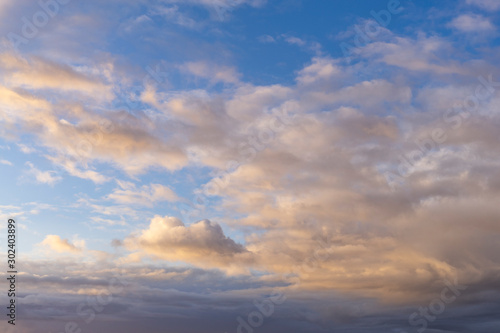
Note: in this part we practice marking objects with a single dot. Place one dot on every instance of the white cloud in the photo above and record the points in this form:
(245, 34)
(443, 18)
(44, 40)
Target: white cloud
(223, 3)
(26, 149)
(319, 178)
(485, 4)
(135, 23)
(108, 222)
(266, 39)
(304, 44)
(73, 169)
(213, 72)
(340, 127)
(147, 195)
(43, 177)
(111, 211)
(294, 40)
(218, 8)
(320, 69)
(472, 23)
(57, 244)
(423, 54)
(5, 162)
(202, 243)
(173, 15)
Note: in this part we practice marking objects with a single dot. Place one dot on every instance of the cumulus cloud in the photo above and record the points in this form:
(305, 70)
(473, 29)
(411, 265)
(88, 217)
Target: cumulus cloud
(57, 244)
(308, 196)
(313, 191)
(325, 168)
(202, 243)
(320, 175)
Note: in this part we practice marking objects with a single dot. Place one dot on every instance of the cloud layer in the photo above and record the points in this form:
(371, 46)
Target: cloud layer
(360, 189)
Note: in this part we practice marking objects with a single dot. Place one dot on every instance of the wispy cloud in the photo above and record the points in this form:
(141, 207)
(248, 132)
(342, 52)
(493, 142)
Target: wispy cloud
(421, 54)
(212, 72)
(146, 195)
(266, 39)
(38, 73)
(26, 149)
(485, 4)
(43, 177)
(173, 15)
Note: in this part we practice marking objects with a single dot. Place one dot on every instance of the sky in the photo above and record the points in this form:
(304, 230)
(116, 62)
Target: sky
(251, 166)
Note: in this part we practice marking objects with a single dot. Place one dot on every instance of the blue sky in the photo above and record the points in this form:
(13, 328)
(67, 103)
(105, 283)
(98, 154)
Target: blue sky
(218, 154)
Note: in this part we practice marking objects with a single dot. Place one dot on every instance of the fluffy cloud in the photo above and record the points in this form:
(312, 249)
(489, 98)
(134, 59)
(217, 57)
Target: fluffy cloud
(311, 199)
(320, 175)
(57, 244)
(202, 243)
